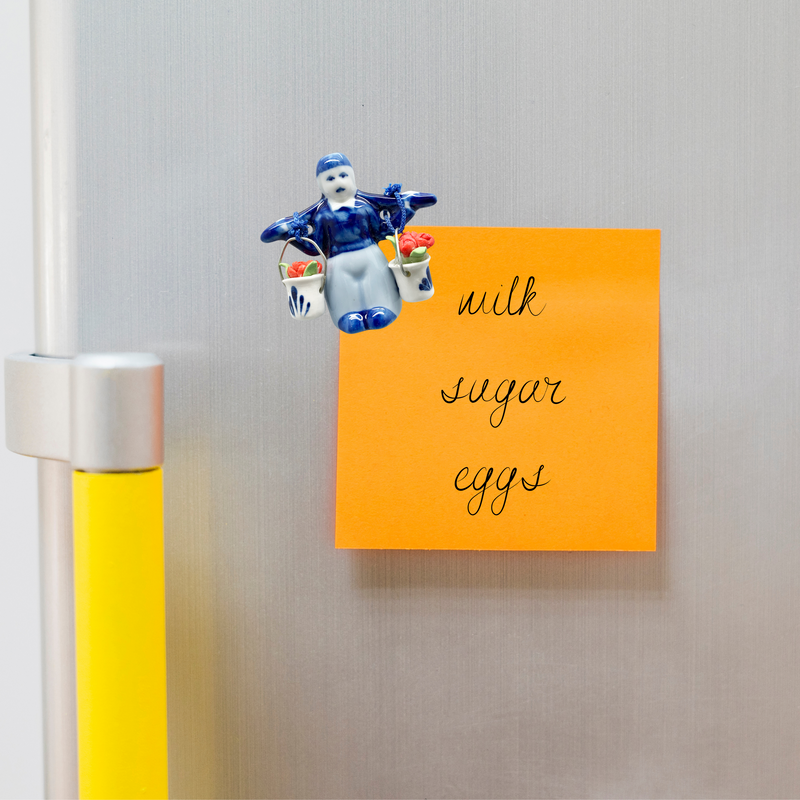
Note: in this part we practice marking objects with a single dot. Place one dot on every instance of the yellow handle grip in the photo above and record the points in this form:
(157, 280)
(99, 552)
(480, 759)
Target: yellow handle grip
(120, 634)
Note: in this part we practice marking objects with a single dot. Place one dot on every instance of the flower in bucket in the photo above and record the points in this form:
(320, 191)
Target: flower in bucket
(301, 269)
(414, 246)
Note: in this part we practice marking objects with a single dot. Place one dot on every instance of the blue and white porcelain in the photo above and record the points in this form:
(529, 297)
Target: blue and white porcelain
(346, 225)
(306, 296)
(306, 292)
(413, 279)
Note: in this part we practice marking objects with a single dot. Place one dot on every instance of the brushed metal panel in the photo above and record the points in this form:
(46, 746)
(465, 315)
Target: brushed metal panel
(299, 671)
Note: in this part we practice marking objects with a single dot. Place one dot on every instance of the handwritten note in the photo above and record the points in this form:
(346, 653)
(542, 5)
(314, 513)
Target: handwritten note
(517, 409)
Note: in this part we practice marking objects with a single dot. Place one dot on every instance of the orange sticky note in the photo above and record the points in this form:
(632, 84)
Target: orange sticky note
(517, 409)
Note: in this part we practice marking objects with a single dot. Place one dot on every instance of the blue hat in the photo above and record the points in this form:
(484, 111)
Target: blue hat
(331, 161)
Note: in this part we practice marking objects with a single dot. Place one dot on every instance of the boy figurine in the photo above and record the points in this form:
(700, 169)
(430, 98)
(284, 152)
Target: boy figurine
(347, 225)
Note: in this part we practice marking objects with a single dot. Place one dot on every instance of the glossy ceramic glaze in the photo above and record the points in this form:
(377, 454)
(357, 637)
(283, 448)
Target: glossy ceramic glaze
(306, 301)
(413, 280)
(346, 225)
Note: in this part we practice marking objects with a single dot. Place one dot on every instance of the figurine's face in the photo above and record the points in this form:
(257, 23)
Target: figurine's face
(338, 184)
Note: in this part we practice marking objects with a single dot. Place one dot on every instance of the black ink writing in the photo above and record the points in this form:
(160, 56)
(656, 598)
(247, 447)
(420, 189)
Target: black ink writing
(482, 480)
(504, 394)
(505, 307)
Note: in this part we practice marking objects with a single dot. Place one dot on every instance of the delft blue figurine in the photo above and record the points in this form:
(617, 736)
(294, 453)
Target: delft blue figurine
(360, 289)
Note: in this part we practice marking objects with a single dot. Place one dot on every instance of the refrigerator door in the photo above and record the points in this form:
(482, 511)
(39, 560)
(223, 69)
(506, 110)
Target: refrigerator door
(295, 670)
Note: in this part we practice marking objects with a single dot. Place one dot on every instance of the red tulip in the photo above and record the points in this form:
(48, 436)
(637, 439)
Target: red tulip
(297, 269)
(424, 239)
(408, 243)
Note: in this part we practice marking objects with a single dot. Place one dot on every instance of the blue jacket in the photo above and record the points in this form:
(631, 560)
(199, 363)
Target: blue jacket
(348, 229)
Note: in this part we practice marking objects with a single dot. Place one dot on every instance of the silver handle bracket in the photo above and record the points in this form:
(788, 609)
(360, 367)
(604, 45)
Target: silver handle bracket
(102, 412)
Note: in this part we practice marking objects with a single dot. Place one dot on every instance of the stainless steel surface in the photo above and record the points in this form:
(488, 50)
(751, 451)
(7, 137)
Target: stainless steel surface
(56, 211)
(116, 412)
(299, 671)
(37, 406)
(58, 627)
(55, 141)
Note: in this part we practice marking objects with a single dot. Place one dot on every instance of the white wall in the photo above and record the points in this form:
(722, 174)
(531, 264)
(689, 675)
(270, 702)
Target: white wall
(20, 672)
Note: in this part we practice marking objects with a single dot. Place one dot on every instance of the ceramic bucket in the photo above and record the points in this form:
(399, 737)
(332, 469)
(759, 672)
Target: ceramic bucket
(306, 296)
(417, 285)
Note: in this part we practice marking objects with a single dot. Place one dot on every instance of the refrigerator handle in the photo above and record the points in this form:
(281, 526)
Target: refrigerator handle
(104, 414)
